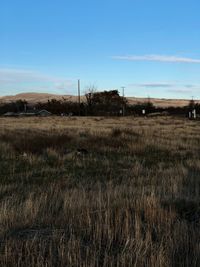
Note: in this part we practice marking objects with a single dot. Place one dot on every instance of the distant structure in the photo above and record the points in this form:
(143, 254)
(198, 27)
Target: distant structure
(29, 113)
(10, 114)
(192, 111)
(44, 113)
(192, 114)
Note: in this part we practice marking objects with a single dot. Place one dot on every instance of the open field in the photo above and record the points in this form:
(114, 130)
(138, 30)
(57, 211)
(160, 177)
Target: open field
(132, 200)
(34, 98)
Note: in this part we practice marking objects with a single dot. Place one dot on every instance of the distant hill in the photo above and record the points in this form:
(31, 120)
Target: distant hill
(35, 97)
(162, 102)
(43, 97)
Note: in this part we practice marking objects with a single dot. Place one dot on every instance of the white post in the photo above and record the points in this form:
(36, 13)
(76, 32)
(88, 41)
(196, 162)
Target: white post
(194, 114)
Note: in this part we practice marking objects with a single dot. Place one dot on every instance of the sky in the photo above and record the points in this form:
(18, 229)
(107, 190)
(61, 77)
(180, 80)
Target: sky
(151, 47)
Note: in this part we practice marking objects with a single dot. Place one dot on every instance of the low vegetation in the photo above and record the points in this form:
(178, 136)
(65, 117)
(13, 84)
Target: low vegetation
(96, 103)
(131, 200)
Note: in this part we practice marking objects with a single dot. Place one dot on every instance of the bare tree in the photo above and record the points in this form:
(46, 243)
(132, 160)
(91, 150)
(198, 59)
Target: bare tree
(89, 95)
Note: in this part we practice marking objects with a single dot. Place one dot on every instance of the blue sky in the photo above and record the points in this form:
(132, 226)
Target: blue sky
(151, 47)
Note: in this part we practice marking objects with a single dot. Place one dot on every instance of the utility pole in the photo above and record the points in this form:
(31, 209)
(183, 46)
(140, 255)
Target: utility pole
(192, 101)
(25, 107)
(123, 88)
(79, 97)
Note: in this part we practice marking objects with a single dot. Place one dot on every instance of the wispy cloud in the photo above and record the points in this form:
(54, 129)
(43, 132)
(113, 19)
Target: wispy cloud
(191, 86)
(158, 58)
(152, 85)
(20, 75)
(165, 85)
(180, 91)
(26, 80)
(168, 87)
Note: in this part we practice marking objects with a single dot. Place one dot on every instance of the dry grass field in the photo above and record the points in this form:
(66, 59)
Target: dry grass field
(130, 197)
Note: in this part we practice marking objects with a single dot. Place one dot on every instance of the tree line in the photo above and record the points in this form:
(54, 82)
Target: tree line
(105, 103)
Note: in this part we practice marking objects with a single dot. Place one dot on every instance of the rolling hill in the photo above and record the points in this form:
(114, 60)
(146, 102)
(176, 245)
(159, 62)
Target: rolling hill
(33, 98)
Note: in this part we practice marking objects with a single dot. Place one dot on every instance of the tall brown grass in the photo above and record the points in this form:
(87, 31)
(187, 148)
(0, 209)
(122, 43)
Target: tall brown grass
(133, 200)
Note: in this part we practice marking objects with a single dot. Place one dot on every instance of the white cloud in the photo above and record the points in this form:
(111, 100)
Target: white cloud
(168, 87)
(153, 85)
(191, 86)
(25, 80)
(158, 58)
(20, 75)
(180, 90)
